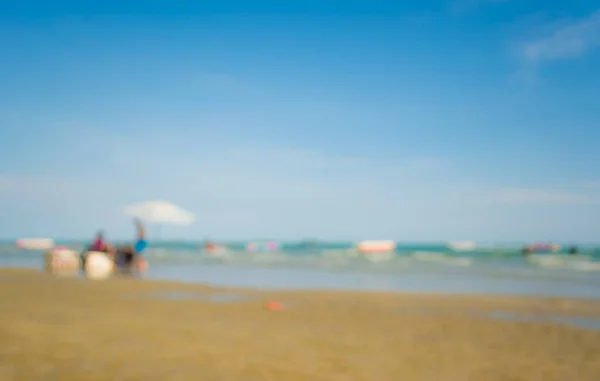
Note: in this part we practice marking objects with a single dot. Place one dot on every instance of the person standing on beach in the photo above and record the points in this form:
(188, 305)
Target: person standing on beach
(130, 256)
(141, 243)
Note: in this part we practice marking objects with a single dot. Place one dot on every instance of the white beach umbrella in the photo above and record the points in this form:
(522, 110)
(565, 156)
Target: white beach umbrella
(160, 212)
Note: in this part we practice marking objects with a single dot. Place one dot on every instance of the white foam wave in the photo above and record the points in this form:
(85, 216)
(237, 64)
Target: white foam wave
(438, 257)
(335, 259)
(561, 261)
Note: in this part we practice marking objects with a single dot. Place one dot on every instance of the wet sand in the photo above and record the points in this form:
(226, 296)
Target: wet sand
(127, 329)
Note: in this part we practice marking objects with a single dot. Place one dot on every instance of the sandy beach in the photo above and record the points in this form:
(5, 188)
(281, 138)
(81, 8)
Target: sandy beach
(127, 329)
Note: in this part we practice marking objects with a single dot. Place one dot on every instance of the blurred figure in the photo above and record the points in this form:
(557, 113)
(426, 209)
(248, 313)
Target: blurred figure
(209, 246)
(130, 256)
(100, 244)
(526, 251)
(573, 250)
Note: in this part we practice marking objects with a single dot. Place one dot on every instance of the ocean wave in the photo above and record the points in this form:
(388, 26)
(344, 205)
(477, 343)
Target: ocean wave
(349, 258)
(343, 256)
(557, 261)
(441, 258)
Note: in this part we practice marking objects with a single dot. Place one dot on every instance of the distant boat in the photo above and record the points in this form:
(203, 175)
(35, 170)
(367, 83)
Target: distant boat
(262, 246)
(35, 243)
(367, 247)
(462, 245)
(544, 247)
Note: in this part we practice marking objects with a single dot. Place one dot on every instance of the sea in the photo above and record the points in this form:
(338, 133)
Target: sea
(412, 267)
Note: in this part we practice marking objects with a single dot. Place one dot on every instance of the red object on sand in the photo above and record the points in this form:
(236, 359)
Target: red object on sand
(274, 306)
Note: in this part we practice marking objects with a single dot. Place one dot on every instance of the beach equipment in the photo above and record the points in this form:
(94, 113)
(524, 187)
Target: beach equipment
(98, 265)
(62, 261)
(160, 212)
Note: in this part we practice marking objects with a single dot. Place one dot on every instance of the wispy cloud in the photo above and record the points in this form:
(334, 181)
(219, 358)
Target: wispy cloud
(565, 40)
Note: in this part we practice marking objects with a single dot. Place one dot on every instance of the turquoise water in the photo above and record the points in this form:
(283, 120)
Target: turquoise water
(412, 268)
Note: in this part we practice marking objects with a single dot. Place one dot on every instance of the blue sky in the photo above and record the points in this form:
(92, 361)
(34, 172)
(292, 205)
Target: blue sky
(438, 120)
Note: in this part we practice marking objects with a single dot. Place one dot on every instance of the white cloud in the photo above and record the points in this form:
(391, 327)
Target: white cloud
(565, 40)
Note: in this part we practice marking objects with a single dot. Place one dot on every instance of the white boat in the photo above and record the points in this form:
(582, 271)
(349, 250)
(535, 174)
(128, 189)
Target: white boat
(35, 243)
(375, 246)
(462, 245)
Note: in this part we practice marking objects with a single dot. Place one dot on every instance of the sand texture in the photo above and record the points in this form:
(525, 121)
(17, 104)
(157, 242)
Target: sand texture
(126, 329)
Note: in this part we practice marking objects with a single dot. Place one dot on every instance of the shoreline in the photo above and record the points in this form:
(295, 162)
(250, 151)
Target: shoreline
(414, 277)
(123, 328)
(577, 307)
